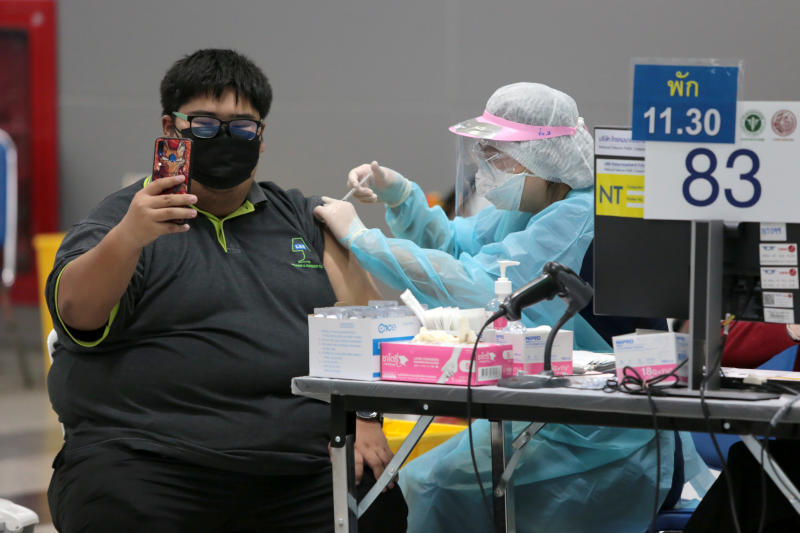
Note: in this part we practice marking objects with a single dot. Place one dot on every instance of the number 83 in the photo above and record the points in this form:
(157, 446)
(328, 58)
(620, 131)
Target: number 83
(707, 175)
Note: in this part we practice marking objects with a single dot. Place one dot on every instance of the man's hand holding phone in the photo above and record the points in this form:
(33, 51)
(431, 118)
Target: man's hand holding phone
(153, 211)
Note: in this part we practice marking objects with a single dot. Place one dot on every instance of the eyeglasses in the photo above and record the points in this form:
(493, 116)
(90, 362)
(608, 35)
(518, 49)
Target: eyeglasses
(486, 154)
(485, 151)
(206, 127)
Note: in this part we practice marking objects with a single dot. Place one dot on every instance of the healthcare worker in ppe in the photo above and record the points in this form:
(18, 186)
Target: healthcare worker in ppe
(529, 156)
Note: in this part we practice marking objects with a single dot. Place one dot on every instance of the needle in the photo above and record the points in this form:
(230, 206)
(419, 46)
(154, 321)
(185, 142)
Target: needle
(360, 183)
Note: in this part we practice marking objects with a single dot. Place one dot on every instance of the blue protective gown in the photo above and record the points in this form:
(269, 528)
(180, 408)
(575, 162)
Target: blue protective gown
(571, 478)
(454, 262)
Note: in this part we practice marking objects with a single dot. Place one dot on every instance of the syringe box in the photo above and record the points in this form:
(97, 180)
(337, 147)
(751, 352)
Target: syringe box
(445, 363)
(652, 354)
(350, 348)
(529, 346)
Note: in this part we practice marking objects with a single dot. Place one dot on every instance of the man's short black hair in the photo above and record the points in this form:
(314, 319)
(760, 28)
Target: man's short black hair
(210, 72)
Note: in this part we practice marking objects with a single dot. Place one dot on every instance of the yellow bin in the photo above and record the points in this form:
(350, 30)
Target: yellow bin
(45, 245)
(397, 430)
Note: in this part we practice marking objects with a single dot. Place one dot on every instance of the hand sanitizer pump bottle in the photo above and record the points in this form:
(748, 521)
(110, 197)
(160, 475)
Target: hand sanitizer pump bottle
(502, 288)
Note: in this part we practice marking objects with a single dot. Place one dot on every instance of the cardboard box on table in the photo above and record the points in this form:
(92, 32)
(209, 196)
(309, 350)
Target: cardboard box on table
(350, 348)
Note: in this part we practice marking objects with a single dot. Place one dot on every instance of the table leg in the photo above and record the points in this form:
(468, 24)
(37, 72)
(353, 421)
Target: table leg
(774, 471)
(345, 505)
(518, 445)
(394, 465)
(503, 500)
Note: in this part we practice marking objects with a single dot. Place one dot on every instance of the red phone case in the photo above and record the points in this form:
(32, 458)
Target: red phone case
(172, 157)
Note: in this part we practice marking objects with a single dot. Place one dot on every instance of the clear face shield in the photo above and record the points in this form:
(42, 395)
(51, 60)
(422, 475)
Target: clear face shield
(482, 168)
(486, 172)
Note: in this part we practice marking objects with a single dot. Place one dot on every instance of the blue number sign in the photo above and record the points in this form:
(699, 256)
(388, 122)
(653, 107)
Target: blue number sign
(682, 103)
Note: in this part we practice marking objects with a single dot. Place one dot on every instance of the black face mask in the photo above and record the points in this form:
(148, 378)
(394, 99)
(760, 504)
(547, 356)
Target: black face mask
(224, 161)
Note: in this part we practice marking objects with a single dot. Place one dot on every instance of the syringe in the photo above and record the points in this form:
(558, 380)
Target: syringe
(360, 183)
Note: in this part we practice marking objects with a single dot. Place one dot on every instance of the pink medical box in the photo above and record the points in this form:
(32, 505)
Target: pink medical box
(445, 363)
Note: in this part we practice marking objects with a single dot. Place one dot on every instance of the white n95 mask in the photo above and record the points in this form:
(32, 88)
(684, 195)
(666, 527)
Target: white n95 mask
(508, 194)
(484, 182)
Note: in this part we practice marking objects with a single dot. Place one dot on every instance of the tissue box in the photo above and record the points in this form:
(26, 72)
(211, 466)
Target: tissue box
(350, 348)
(652, 354)
(528, 348)
(445, 363)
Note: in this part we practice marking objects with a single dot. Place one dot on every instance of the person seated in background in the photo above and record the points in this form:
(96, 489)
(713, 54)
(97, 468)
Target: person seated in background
(177, 341)
(713, 514)
(750, 344)
(530, 158)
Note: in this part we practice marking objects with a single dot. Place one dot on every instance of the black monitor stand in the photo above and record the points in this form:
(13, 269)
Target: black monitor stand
(705, 310)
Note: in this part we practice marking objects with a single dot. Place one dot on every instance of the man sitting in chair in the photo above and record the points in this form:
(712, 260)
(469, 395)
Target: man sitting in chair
(177, 341)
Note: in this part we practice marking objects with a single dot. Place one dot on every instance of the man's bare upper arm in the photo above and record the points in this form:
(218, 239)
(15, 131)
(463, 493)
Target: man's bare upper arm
(351, 283)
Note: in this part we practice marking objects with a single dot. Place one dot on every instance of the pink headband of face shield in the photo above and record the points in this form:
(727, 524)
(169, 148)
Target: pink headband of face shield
(488, 126)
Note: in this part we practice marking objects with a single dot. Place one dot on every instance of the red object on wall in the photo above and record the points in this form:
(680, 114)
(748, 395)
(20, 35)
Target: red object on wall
(29, 113)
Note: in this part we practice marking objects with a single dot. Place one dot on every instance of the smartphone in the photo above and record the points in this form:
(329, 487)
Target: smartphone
(173, 157)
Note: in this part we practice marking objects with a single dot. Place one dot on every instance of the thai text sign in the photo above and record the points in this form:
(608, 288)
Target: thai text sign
(682, 103)
(753, 180)
(619, 173)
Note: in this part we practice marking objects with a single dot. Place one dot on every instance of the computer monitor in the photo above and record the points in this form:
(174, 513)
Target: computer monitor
(643, 267)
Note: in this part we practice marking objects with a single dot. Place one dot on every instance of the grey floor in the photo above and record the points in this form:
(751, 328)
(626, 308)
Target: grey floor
(30, 435)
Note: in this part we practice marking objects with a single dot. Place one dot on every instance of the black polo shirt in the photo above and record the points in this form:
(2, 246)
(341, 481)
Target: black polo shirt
(197, 357)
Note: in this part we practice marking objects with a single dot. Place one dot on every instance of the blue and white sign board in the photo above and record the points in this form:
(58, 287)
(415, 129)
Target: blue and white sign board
(5, 167)
(753, 180)
(684, 103)
(8, 207)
